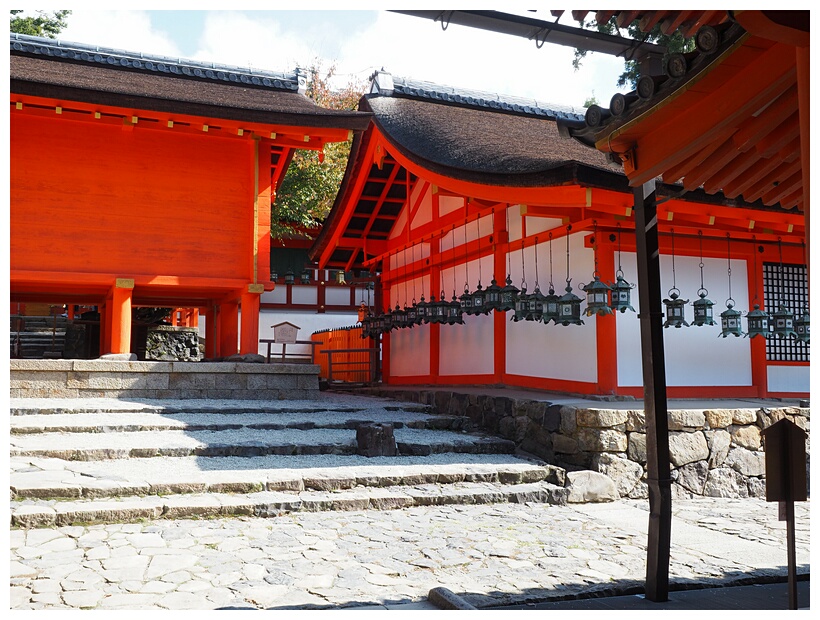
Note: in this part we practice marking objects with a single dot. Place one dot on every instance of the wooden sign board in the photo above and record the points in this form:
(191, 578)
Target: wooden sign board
(285, 333)
(785, 445)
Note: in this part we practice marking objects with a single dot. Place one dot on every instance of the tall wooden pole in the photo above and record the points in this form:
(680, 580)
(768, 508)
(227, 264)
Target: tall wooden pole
(655, 406)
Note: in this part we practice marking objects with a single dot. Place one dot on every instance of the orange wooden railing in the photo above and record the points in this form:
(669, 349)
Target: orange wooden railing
(343, 355)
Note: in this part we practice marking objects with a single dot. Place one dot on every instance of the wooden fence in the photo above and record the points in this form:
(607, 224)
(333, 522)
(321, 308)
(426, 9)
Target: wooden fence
(343, 355)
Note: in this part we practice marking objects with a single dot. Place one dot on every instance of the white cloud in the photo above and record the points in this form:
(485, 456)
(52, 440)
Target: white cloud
(124, 30)
(406, 46)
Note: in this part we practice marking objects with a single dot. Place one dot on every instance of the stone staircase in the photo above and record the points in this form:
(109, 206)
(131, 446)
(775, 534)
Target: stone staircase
(105, 460)
(41, 336)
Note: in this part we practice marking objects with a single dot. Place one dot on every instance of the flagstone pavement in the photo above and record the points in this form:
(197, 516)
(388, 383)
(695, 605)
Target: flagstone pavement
(491, 555)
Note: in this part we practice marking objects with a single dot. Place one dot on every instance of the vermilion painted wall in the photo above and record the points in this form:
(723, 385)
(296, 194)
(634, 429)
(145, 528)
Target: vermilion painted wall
(89, 197)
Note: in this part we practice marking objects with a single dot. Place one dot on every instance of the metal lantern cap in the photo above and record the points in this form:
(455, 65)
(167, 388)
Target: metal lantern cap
(675, 310)
(597, 297)
(621, 291)
(801, 326)
(703, 310)
(783, 322)
(758, 323)
(508, 296)
(730, 321)
(569, 308)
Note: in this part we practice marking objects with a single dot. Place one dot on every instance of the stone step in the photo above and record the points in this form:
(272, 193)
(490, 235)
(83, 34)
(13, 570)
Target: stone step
(276, 503)
(241, 442)
(130, 421)
(50, 478)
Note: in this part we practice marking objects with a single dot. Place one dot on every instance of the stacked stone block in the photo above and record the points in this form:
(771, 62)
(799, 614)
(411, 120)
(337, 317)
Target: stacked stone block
(713, 452)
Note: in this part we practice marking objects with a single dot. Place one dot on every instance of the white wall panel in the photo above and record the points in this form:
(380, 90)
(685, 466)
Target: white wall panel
(789, 378)
(336, 296)
(279, 295)
(309, 295)
(694, 356)
(410, 351)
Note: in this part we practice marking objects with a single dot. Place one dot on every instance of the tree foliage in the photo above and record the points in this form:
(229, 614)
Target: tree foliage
(40, 25)
(309, 188)
(674, 43)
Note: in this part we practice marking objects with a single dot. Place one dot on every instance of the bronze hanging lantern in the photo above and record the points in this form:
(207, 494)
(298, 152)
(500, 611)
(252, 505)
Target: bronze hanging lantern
(522, 301)
(522, 304)
(569, 304)
(758, 322)
(399, 317)
(783, 319)
(536, 299)
(621, 290)
(550, 304)
(702, 306)
(421, 311)
(492, 296)
(289, 277)
(730, 318)
(597, 291)
(801, 326)
(452, 309)
(675, 305)
(479, 295)
(509, 294)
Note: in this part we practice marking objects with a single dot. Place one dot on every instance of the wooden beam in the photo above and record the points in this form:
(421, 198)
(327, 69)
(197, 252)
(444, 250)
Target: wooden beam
(693, 128)
(758, 127)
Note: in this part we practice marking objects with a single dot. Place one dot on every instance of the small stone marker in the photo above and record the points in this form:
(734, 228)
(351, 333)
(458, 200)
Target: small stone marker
(376, 440)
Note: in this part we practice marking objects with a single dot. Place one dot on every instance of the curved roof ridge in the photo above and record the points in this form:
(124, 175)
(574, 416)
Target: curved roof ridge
(422, 89)
(150, 63)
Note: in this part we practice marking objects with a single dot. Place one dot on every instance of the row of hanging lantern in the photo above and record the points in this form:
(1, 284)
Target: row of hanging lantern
(601, 298)
(563, 310)
(780, 324)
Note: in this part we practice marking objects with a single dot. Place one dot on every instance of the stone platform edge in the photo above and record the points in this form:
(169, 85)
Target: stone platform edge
(161, 380)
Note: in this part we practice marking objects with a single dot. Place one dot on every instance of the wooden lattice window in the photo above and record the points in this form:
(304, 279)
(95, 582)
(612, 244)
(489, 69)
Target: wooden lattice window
(791, 288)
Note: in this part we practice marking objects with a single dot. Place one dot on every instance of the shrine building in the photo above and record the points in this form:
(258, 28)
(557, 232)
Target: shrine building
(146, 181)
(451, 195)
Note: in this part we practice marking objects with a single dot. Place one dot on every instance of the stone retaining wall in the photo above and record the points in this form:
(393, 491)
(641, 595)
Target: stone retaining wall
(714, 452)
(162, 380)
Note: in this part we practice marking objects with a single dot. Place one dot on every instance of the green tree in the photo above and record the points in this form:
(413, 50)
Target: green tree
(591, 100)
(309, 188)
(674, 43)
(40, 25)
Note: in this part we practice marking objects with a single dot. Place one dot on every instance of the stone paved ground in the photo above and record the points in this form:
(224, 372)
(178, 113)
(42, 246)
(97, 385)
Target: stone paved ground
(491, 554)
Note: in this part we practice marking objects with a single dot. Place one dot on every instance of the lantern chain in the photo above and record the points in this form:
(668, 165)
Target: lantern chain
(523, 275)
(569, 228)
(754, 260)
(700, 241)
(674, 280)
(552, 286)
(466, 263)
(729, 270)
(620, 271)
(781, 287)
(535, 248)
(595, 247)
(453, 234)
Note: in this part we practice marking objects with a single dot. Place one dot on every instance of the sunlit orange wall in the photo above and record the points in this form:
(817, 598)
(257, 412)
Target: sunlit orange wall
(90, 197)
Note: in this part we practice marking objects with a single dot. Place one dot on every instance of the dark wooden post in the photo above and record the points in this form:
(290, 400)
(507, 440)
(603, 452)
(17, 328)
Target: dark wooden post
(655, 406)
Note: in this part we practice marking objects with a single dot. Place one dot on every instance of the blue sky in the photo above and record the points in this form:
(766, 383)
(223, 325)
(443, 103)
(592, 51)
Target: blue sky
(357, 42)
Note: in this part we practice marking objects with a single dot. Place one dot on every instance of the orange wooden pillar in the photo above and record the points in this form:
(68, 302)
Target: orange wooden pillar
(605, 330)
(211, 332)
(105, 326)
(228, 328)
(249, 333)
(119, 313)
(500, 248)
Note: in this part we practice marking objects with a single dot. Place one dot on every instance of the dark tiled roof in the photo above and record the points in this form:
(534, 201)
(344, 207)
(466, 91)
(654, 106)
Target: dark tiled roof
(479, 144)
(136, 61)
(77, 75)
(473, 98)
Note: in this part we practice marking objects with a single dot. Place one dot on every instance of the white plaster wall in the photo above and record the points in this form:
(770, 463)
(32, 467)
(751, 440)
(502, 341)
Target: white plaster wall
(425, 211)
(305, 294)
(537, 225)
(448, 204)
(694, 356)
(278, 295)
(334, 296)
(307, 321)
(466, 349)
(554, 351)
(483, 224)
(789, 379)
(410, 351)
